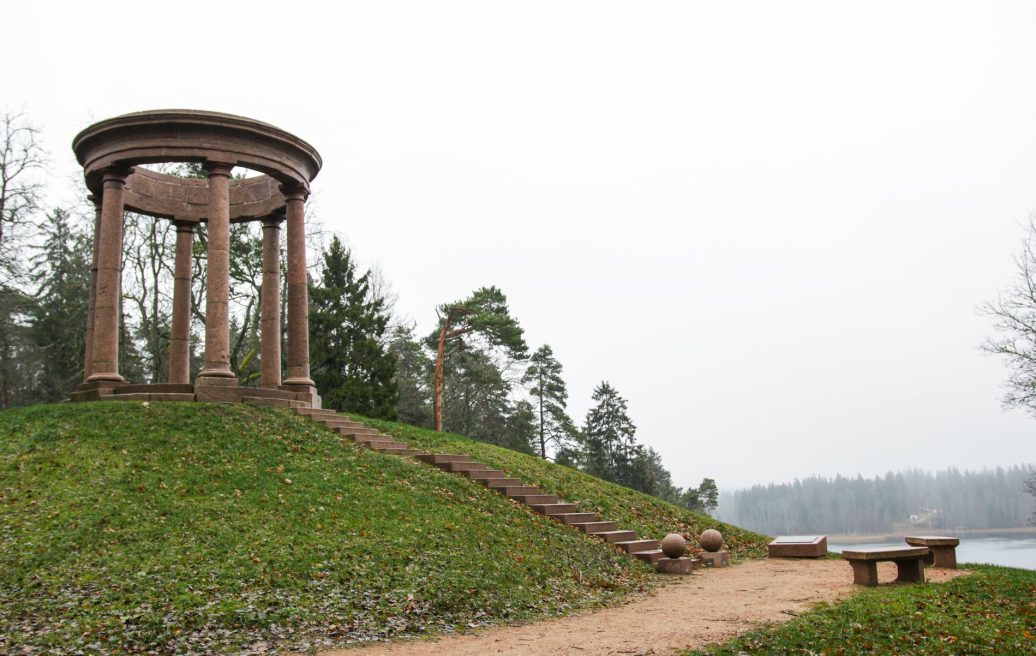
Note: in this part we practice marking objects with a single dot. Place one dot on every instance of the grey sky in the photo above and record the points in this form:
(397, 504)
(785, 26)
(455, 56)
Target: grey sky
(768, 225)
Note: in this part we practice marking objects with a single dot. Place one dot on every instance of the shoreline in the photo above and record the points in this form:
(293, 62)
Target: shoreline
(1022, 531)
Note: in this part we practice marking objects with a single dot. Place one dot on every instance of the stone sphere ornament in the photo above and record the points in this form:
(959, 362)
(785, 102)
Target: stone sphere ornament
(674, 546)
(711, 540)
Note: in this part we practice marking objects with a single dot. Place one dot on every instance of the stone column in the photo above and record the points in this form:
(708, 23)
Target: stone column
(105, 354)
(270, 320)
(88, 359)
(217, 283)
(298, 295)
(179, 341)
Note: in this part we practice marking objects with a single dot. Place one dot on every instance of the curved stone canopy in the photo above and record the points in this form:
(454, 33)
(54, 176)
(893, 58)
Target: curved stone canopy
(185, 200)
(182, 135)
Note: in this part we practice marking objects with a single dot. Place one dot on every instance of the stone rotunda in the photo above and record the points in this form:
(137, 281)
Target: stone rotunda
(110, 152)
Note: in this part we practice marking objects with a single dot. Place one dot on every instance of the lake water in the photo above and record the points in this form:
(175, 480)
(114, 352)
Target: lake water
(1012, 552)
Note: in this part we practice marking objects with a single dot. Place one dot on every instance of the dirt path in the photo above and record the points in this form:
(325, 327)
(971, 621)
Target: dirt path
(709, 606)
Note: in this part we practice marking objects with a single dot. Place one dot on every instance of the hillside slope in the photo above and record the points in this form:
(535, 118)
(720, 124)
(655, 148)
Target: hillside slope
(650, 517)
(202, 528)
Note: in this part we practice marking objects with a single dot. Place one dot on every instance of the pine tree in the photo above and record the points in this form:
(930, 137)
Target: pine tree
(484, 314)
(549, 397)
(350, 365)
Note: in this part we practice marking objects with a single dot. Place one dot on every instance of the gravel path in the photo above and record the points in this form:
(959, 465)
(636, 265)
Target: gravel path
(708, 606)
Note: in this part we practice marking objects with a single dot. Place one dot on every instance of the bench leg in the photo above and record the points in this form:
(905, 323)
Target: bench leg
(944, 557)
(910, 570)
(864, 572)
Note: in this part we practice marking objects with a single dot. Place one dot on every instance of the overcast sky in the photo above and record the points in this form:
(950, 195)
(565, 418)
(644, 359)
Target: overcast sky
(768, 225)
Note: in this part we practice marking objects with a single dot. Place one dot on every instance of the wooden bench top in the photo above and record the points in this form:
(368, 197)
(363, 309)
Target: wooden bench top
(933, 541)
(886, 553)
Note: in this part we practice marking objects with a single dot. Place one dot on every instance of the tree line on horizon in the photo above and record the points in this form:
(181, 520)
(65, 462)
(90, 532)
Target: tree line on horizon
(473, 374)
(947, 499)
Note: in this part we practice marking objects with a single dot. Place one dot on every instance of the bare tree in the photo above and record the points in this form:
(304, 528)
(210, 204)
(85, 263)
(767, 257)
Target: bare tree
(22, 157)
(1014, 318)
(149, 244)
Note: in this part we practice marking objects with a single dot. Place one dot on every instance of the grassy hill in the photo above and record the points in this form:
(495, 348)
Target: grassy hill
(201, 528)
(649, 516)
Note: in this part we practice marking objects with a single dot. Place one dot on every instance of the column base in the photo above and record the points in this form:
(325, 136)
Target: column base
(307, 393)
(217, 390)
(94, 390)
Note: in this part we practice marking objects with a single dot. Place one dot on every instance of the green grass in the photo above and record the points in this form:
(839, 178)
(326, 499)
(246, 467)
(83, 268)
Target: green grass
(648, 516)
(992, 611)
(197, 528)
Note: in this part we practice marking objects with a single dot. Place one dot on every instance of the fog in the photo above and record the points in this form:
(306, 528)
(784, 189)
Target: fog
(768, 225)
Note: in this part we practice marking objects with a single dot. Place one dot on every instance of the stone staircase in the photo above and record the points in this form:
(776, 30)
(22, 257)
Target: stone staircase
(545, 504)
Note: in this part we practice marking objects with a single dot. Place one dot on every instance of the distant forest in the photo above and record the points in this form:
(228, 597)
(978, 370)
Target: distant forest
(991, 498)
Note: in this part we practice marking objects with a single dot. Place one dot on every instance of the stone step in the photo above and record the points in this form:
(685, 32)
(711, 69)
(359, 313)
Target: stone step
(359, 432)
(595, 526)
(615, 536)
(515, 490)
(458, 467)
(439, 458)
(649, 556)
(634, 546)
(534, 499)
(315, 412)
(268, 393)
(373, 442)
(140, 396)
(575, 517)
(399, 451)
(501, 482)
(158, 388)
(337, 420)
(171, 396)
(261, 400)
(476, 475)
(555, 508)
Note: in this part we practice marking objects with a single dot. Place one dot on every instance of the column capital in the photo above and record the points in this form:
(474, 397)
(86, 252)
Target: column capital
(295, 191)
(95, 199)
(273, 221)
(217, 168)
(185, 226)
(116, 174)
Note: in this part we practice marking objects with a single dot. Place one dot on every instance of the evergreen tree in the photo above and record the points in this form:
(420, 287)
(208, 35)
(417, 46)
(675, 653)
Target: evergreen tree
(413, 378)
(485, 314)
(549, 395)
(58, 316)
(649, 476)
(521, 428)
(609, 437)
(350, 365)
(703, 498)
(477, 396)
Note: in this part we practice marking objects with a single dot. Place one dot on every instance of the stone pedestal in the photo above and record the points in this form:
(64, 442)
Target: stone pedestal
(798, 546)
(716, 558)
(683, 565)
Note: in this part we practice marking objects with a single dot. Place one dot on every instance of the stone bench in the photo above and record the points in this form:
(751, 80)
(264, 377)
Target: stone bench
(909, 563)
(943, 549)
